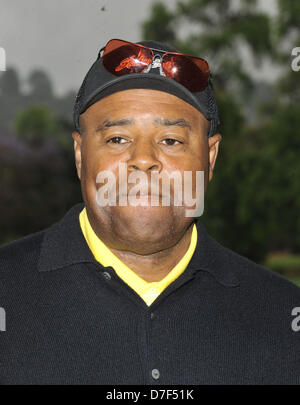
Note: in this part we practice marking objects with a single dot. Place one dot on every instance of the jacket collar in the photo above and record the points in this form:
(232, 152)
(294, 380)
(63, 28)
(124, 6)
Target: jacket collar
(64, 245)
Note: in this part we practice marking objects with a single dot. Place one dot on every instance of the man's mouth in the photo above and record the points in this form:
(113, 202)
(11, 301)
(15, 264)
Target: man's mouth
(128, 198)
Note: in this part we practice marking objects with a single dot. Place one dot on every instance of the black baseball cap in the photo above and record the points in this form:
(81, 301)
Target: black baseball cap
(99, 83)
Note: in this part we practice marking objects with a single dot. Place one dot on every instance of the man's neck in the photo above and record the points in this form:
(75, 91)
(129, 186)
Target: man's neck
(156, 266)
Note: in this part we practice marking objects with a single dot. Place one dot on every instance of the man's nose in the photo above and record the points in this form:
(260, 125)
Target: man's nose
(144, 157)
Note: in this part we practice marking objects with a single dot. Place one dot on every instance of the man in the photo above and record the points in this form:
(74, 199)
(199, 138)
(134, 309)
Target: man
(123, 291)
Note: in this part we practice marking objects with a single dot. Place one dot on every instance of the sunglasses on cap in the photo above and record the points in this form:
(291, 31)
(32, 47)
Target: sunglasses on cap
(122, 58)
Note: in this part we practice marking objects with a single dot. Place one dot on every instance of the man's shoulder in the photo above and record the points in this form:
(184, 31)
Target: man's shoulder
(21, 252)
(256, 277)
(28, 248)
(57, 246)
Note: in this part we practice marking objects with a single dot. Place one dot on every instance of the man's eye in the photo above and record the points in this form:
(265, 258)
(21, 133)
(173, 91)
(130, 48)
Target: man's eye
(171, 142)
(117, 139)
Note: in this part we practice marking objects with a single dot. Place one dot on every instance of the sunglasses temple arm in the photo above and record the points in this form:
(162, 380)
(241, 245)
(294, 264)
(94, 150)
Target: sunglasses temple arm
(99, 53)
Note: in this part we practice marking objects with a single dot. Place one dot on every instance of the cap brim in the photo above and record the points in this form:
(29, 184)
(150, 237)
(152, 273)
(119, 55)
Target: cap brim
(144, 81)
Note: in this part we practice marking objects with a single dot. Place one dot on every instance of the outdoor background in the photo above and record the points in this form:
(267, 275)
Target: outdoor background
(253, 202)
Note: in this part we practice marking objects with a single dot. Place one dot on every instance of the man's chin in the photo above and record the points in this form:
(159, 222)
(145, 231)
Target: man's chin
(151, 224)
(142, 214)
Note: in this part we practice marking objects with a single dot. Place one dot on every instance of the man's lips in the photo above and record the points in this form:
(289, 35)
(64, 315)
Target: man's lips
(127, 197)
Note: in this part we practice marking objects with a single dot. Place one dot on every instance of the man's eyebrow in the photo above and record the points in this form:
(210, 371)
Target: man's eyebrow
(109, 124)
(179, 122)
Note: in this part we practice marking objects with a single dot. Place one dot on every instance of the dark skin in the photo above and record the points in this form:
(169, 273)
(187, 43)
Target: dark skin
(150, 131)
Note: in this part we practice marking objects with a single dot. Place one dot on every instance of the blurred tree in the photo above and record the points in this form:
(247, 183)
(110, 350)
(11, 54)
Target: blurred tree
(11, 98)
(288, 17)
(10, 83)
(38, 178)
(286, 32)
(160, 25)
(281, 140)
(36, 124)
(37, 186)
(40, 87)
(219, 31)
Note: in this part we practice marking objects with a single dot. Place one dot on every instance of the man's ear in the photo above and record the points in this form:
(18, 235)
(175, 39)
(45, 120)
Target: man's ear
(213, 148)
(77, 150)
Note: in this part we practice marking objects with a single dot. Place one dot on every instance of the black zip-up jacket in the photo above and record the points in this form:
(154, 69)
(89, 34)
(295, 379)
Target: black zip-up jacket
(69, 320)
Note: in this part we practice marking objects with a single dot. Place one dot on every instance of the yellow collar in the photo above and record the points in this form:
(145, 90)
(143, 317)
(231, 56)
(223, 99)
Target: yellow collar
(148, 291)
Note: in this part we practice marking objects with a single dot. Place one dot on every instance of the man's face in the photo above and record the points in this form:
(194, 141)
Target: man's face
(149, 131)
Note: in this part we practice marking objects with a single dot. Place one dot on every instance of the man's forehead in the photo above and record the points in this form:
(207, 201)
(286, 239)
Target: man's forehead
(102, 122)
(155, 121)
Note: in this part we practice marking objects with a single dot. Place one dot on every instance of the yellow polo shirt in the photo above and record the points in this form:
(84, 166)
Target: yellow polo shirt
(147, 291)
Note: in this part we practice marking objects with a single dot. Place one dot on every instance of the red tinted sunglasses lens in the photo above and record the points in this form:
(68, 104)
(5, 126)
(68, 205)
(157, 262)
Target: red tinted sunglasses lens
(122, 57)
(192, 73)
